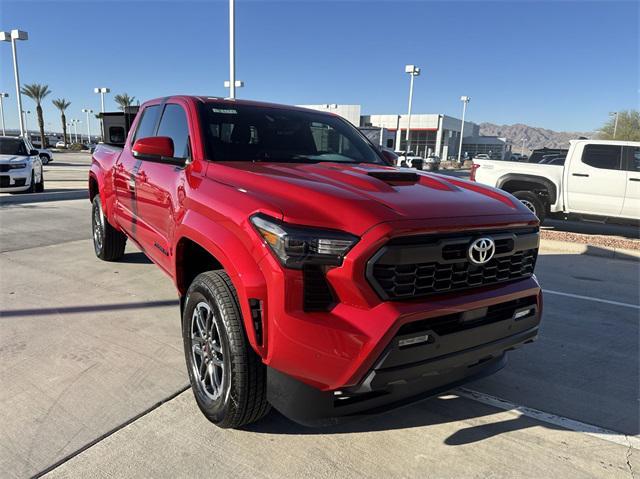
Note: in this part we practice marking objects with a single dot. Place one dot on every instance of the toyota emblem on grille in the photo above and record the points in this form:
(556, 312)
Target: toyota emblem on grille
(481, 250)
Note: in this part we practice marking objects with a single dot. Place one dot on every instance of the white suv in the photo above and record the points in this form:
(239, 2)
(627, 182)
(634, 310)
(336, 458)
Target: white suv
(20, 166)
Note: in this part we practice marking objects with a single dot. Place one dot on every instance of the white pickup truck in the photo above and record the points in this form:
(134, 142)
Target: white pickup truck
(599, 178)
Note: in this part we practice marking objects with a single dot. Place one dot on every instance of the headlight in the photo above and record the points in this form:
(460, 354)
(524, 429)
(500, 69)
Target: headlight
(17, 166)
(296, 246)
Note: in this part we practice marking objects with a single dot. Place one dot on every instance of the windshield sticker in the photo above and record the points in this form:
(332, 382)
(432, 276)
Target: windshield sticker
(228, 111)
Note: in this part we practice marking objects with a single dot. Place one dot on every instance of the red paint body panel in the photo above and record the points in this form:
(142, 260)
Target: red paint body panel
(210, 204)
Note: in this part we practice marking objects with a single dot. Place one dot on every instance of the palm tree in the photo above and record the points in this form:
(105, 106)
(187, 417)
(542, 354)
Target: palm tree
(124, 101)
(62, 104)
(37, 92)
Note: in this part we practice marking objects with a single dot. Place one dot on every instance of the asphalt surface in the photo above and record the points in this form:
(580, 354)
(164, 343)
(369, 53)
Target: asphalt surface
(88, 349)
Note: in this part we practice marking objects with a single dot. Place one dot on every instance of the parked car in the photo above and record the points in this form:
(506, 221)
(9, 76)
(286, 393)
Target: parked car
(432, 163)
(312, 276)
(481, 156)
(45, 155)
(61, 144)
(410, 160)
(20, 166)
(596, 178)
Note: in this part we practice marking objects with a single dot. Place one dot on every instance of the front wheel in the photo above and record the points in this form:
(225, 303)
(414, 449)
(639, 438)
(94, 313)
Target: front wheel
(44, 159)
(533, 202)
(108, 242)
(227, 377)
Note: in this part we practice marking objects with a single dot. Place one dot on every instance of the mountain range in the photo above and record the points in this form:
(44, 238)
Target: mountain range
(534, 137)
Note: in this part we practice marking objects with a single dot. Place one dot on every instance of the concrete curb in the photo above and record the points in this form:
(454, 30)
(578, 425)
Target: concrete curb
(41, 197)
(547, 245)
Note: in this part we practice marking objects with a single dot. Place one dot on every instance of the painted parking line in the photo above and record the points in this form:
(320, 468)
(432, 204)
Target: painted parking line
(589, 298)
(566, 423)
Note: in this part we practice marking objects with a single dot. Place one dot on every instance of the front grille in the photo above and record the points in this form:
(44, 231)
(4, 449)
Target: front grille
(456, 322)
(4, 181)
(416, 267)
(4, 168)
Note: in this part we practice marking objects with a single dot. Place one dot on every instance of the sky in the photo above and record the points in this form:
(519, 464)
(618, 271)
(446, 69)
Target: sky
(561, 65)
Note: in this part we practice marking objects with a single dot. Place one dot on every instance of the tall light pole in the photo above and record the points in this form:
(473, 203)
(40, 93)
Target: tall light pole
(232, 83)
(75, 129)
(26, 121)
(2, 96)
(522, 150)
(615, 123)
(12, 37)
(413, 72)
(465, 100)
(102, 90)
(88, 111)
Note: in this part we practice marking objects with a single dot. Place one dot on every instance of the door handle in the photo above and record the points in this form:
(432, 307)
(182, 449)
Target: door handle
(584, 175)
(634, 179)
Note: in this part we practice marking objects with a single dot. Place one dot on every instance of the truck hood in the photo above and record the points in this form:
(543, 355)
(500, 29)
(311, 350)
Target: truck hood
(354, 198)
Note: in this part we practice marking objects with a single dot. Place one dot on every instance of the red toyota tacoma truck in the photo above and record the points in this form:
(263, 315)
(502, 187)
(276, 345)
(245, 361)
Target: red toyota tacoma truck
(313, 277)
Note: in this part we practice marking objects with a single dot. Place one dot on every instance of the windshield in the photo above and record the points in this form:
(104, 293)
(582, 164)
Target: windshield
(255, 133)
(13, 146)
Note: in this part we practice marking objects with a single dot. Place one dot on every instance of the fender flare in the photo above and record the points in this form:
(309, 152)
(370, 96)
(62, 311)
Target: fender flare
(238, 262)
(541, 180)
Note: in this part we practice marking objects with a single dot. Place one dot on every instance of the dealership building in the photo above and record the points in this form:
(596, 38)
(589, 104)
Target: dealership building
(430, 133)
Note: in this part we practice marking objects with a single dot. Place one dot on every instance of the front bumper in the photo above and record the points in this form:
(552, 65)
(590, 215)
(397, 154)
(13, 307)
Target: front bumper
(457, 350)
(13, 182)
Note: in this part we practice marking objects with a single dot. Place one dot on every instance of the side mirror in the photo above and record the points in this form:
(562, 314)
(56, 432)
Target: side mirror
(389, 157)
(153, 148)
(34, 152)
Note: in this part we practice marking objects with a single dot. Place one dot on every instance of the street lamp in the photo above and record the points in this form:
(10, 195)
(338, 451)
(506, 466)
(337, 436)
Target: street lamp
(12, 37)
(232, 83)
(75, 129)
(615, 124)
(26, 121)
(88, 111)
(102, 90)
(413, 72)
(465, 100)
(2, 95)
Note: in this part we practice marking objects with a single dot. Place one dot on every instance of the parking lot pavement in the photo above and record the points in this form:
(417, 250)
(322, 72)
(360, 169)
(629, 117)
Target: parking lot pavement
(88, 346)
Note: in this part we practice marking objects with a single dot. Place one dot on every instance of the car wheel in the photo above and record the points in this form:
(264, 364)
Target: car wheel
(44, 158)
(32, 185)
(227, 377)
(108, 242)
(533, 202)
(40, 185)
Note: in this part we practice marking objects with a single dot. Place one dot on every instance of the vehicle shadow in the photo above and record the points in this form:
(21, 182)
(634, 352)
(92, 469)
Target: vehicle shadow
(429, 412)
(137, 257)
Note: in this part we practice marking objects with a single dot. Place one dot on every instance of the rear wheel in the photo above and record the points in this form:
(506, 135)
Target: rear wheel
(32, 184)
(44, 158)
(227, 377)
(533, 202)
(108, 242)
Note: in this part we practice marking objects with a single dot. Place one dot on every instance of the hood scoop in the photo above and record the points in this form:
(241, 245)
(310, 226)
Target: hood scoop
(391, 176)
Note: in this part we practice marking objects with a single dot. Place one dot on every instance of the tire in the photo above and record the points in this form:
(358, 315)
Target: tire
(44, 159)
(233, 392)
(108, 242)
(40, 186)
(533, 202)
(32, 185)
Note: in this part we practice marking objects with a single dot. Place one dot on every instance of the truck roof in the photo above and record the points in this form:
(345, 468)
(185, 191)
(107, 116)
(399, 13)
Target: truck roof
(229, 101)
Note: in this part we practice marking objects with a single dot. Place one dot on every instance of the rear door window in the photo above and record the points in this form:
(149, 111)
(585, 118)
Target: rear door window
(606, 157)
(632, 155)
